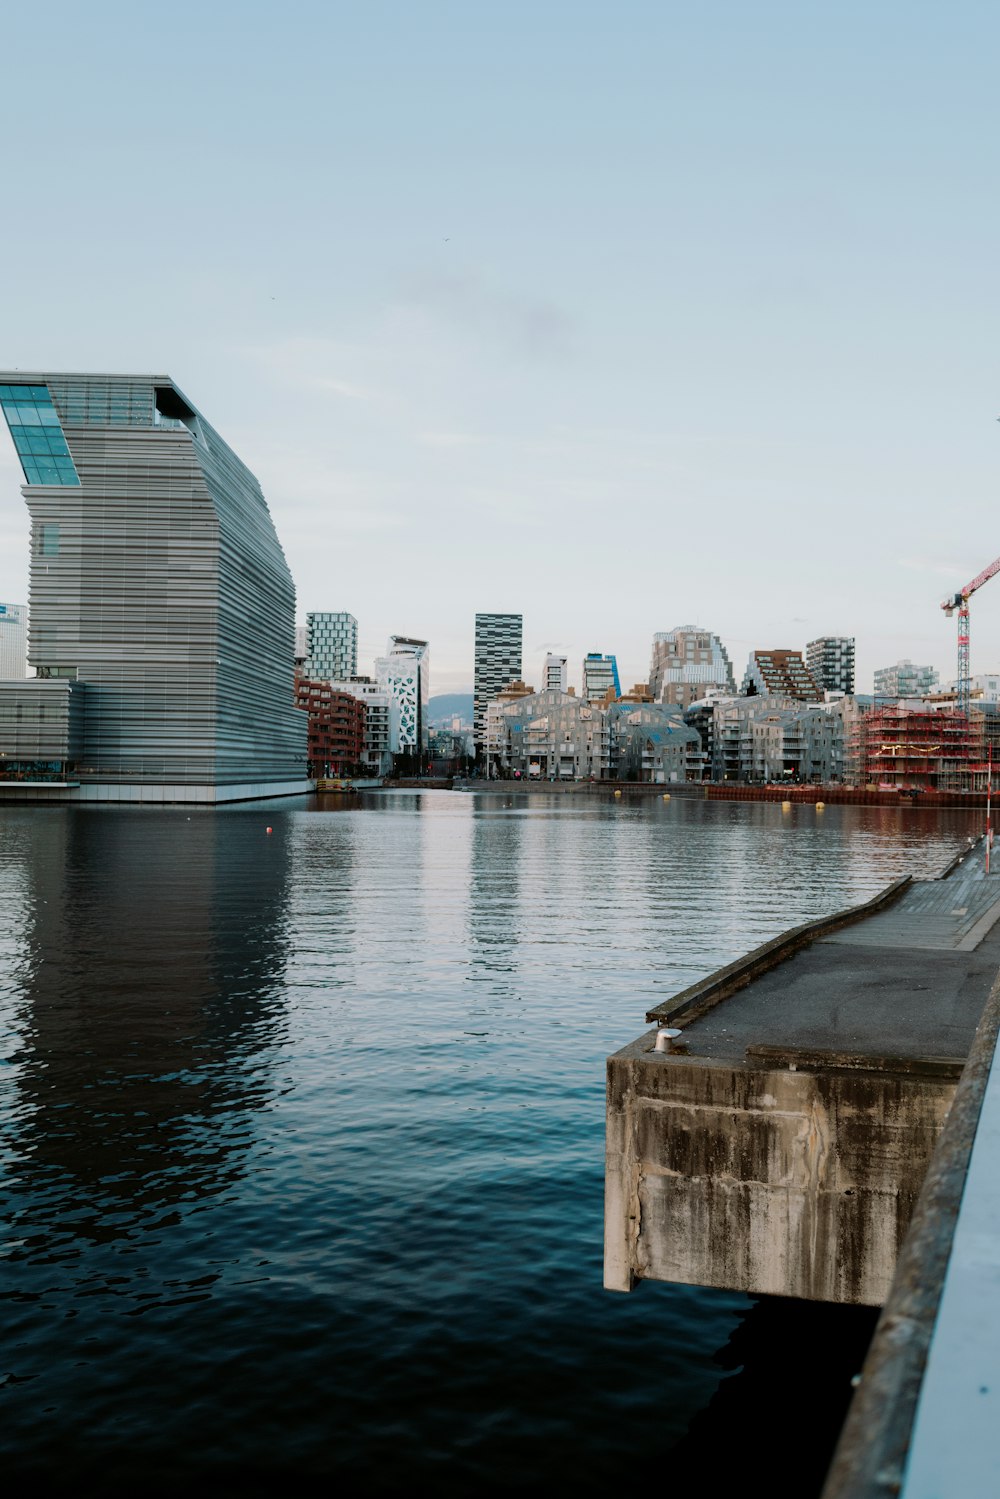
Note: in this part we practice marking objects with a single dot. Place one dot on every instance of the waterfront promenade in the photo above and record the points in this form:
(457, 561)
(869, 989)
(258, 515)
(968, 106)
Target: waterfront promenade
(809, 1136)
(923, 1423)
(781, 1148)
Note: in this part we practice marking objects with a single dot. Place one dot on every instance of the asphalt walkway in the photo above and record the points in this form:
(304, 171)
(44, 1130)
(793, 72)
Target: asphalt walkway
(909, 983)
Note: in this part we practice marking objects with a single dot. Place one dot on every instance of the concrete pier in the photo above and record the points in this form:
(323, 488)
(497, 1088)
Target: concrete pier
(781, 1145)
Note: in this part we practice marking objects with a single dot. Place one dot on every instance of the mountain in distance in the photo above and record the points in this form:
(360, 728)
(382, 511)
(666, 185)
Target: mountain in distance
(443, 708)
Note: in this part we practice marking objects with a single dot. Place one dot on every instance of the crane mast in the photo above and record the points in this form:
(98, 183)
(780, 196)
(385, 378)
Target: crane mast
(960, 601)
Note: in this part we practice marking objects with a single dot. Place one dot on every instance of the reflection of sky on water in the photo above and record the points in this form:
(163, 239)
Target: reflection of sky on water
(305, 1129)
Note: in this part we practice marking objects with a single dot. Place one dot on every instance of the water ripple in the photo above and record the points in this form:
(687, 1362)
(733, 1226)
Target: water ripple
(303, 1133)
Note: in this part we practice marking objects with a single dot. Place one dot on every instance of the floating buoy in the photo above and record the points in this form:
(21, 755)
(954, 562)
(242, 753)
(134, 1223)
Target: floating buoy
(617, 793)
(666, 796)
(786, 806)
(820, 806)
(270, 830)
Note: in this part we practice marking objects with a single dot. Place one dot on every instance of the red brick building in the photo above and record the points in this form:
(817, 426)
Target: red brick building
(336, 727)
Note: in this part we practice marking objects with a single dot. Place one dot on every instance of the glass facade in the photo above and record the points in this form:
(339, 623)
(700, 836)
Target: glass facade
(600, 673)
(37, 435)
(331, 646)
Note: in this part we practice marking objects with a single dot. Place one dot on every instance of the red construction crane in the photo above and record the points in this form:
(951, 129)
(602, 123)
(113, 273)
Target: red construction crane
(960, 601)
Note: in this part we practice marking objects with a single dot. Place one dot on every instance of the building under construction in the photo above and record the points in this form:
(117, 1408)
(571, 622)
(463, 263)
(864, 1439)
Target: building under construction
(915, 749)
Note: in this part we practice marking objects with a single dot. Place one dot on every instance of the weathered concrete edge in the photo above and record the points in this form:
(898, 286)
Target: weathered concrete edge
(710, 991)
(816, 1060)
(870, 1459)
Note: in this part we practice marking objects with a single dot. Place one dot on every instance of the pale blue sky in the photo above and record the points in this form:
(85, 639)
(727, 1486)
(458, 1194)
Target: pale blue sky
(622, 316)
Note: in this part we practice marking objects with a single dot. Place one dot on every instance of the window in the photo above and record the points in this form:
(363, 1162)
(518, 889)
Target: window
(49, 539)
(38, 437)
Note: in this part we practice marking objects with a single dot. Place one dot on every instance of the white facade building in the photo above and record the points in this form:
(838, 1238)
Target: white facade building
(331, 646)
(554, 673)
(399, 678)
(984, 687)
(13, 642)
(406, 649)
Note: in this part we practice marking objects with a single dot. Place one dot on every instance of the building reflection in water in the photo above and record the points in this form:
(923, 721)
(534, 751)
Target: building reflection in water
(494, 923)
(328, 912)
(151, 1000)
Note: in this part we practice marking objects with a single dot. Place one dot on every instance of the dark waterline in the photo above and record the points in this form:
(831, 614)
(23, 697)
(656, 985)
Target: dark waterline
(303, 1141)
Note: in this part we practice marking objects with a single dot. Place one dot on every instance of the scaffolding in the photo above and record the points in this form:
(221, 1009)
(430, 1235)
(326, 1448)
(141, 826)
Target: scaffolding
(916, 749)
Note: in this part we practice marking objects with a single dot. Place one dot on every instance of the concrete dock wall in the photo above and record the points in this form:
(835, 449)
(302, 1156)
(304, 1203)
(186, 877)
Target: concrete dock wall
(778, 1145)
(785, 1181)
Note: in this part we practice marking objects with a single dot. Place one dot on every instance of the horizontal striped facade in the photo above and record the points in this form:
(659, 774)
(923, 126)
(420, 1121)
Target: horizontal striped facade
(160, 584)
(40, 721)
(497, 663)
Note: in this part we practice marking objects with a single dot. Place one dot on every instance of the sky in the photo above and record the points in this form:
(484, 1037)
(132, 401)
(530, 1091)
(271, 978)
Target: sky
(621, 315)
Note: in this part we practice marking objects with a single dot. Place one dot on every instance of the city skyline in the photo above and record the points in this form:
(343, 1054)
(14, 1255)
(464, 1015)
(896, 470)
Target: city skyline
(717, 347)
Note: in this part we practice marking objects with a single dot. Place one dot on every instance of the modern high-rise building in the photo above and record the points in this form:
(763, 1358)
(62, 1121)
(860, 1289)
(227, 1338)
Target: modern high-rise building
(830, 659)
(405, 672)
(13, 641)
(780, 674)
(162, 607)
(687, 663)
(905, 680)
(554, 674)
(399, 678)
(599, 674)
(497, 662)
(419, 651)
(331, 646)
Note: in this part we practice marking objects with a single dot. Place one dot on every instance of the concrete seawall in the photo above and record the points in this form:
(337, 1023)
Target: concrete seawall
(780, 1147)
(730, 791)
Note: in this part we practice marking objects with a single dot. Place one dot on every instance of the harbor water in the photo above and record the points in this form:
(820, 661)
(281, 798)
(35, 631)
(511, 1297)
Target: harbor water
(302, 1115)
